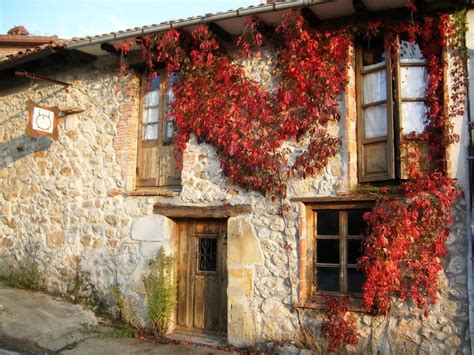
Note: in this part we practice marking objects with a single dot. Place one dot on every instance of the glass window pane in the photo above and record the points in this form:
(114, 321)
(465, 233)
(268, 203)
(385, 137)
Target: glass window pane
(375, 121)
(328, 279)
(413, 116)
(328, 223)
(155, 83)
(356, 221)
(327, 251)
(354, 250)
(355, 280)
(150, 132)
(414, 81)
(151, 115)
(410, 51)
(375, 86)
(207, 254)
(373, 52)
(152, 98)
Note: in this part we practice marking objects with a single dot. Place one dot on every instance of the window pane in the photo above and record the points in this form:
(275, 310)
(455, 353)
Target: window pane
(328, 279)
(375, 86)
(356, 221)
(413, 116)
(152, 98)
(410, 51)
(354, 250)
(155, 84)
(414, 81)
(150, 132)
(207, 254)
(373, 52)
(355, 280)
(328, 223)
(327, 251)
(151, 115)
(375, 121)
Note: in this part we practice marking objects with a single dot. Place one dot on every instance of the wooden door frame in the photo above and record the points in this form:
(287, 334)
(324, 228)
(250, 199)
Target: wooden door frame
(189, 250)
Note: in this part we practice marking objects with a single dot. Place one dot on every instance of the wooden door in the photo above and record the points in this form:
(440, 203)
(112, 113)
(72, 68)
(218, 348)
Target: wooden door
(202, 275)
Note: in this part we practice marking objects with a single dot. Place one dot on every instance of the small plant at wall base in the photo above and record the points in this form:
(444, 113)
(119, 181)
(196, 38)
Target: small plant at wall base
(220, 105)
(160, 290)
(24, 271)
(126, 310)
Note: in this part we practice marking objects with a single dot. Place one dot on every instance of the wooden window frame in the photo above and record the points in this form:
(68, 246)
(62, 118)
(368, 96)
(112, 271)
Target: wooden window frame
(309, 296)
(396, 168)
(153, 186)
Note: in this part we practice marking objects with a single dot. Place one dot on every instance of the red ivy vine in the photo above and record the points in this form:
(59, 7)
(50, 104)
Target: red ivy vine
(219, 104)
(338, 325)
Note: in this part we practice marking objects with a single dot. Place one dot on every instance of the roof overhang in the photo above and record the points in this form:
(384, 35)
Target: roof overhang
(233, 21)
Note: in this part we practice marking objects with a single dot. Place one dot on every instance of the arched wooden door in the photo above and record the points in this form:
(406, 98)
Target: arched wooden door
(202, 275)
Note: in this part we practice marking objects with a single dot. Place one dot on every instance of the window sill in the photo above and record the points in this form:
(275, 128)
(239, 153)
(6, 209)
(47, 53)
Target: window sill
(318, 303)
(167, 192)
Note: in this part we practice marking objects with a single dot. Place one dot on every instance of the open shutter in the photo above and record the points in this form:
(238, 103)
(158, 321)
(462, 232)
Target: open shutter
(412, 79)
(169, 174)
(375, 114)
(149, 143)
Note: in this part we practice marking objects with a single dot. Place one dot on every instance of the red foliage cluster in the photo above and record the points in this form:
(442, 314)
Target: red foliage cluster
(219, 104)
(403, 252)
(338, 325)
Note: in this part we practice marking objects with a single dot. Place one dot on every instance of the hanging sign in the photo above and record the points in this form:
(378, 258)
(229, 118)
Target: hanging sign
(42, 121)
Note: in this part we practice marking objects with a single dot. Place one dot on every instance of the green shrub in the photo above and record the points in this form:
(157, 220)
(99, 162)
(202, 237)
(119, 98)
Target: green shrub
(160, 289)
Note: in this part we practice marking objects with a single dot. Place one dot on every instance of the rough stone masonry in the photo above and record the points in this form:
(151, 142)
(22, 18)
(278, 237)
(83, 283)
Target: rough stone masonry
(74, 198)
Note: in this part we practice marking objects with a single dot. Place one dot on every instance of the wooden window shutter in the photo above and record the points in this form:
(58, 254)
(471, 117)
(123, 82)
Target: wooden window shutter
(410, 90)
(148, 139)
(375, 138)
(156, 166)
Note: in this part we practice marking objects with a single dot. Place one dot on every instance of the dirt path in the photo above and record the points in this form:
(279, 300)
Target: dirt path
(36, 323)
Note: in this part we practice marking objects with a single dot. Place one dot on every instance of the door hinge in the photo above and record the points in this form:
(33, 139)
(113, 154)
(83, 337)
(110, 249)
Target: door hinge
(137, 170)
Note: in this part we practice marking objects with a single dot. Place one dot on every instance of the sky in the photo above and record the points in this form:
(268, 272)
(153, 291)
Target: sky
(75, 18)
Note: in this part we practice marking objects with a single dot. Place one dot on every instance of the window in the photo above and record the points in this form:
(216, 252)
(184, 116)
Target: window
(390, 103)
(331, 248)
(156, 157)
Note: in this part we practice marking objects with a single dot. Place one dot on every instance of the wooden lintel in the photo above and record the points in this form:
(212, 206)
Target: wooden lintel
(40, 78)
(335, 199)
(220, 32)
(222, 211)
(311, 18)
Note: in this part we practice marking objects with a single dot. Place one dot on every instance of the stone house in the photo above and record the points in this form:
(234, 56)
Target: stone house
(108, 191)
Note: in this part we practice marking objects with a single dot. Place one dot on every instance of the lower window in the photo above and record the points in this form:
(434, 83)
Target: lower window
(333, 245)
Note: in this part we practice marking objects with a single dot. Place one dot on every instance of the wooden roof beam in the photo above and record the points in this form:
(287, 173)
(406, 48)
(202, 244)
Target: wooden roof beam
(359, 7)
(311, 18)
(220, 32)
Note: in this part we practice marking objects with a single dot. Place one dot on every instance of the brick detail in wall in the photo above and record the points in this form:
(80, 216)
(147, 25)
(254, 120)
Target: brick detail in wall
(351, 123)
(125, 142)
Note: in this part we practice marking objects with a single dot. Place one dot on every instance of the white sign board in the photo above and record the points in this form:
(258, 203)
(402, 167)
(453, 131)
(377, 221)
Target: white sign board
(43, 120)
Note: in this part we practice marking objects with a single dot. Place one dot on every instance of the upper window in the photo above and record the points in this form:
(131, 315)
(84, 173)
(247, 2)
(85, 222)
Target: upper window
(156, 157)
(391, 103)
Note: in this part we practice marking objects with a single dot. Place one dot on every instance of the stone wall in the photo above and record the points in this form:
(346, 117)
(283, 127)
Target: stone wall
(74, 197)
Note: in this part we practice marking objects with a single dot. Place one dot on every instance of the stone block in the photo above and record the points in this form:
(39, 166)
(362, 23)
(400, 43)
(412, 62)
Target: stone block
(55, 239)
(148, 228)
(240, 282)
(241, 326)
(243, 247)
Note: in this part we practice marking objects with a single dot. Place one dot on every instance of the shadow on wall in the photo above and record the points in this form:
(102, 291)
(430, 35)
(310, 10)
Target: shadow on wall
(21, 147)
